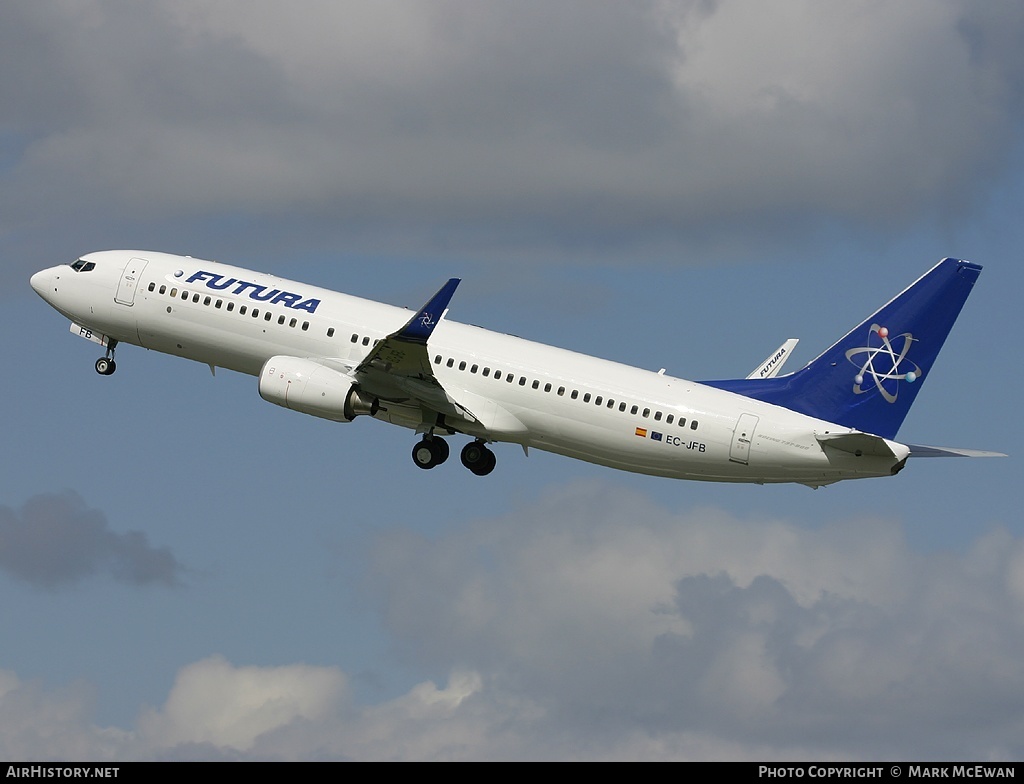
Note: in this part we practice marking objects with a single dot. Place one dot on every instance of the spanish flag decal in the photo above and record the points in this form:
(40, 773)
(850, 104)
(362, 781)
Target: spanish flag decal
(642, 432)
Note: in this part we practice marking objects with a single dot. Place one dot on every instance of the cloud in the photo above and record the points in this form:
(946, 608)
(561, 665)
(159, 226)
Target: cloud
(36, 723)
(55, 541)
(215, 703)
(440, 124)
(619, 619)
(594, 624)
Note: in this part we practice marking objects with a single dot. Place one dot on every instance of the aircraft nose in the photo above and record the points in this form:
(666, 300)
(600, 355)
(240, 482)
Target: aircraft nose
(40, 281)
(44, 283)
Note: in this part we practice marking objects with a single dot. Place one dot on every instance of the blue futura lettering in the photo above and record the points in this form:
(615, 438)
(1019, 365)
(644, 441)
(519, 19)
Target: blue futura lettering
(263, 295)
(256, 291)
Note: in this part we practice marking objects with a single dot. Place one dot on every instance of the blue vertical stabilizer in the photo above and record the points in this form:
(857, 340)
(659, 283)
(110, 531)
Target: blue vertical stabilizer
(869, 379)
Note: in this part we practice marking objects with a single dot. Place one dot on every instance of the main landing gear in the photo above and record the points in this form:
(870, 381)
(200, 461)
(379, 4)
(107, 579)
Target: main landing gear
(105, 366)
(431, 451)
(478, 458)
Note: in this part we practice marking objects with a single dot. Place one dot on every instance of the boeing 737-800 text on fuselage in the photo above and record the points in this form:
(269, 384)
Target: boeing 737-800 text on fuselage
(338, 357)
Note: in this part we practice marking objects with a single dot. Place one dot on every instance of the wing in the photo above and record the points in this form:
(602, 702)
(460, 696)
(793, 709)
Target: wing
(398, 370)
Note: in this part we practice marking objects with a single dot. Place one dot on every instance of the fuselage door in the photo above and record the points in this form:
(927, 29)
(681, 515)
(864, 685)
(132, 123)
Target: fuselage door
(130, 281)
(742, 437)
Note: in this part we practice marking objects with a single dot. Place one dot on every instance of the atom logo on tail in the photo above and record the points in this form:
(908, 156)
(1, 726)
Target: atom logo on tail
(885, 366)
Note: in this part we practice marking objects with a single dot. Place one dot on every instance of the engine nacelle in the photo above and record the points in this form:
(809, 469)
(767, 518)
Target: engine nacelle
(307, 386)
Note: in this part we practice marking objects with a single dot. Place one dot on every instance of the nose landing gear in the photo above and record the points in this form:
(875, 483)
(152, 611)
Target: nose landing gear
(106, 365)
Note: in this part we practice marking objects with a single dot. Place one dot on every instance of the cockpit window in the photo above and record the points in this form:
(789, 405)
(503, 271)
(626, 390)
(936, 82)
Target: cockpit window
(83, 266)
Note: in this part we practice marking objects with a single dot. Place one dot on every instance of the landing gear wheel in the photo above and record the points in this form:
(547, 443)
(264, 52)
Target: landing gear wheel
(430, 452)
(478, 458)
(105, 366)
(440, 448)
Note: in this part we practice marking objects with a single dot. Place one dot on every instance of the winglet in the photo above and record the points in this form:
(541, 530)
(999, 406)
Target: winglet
(420, 326)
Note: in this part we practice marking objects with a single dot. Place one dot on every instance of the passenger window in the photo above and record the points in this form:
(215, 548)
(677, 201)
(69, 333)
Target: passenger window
(536, 384)
(255, 313)
(355, 338)
(305, 326)
(497, 375)
(242, 310)
(575, 394)
(682, 421)
(451, 362)
(152, 287)
(657, 416)
(184, 294)
(267, 316)
(522, 381)
(207, 300)
(669, 418)
(174, 292)
(280, 320)
(547, 387)
(366, 342)
(693, 425)
(462, 366)
(510, 377)
(622, 406)
(231, 306)
(163, 290)
(647, 412)
(611, 403)
(487, 372)
(586, 398)
(634, 409)
(598, 400)
(561, 391)
(195, 298)
(330, 330)
(218, 303)
(293, 322)
(474, 369)
(437, 359)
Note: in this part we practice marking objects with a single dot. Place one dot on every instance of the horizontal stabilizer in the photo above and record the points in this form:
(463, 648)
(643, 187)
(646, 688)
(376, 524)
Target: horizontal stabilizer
(918, 450)
(773, 363)
(857, 444)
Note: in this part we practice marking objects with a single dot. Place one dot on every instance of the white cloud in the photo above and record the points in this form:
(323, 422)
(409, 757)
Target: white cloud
(213, 702)
(595, 624)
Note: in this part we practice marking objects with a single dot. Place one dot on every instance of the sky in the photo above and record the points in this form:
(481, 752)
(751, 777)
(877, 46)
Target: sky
(189, 573)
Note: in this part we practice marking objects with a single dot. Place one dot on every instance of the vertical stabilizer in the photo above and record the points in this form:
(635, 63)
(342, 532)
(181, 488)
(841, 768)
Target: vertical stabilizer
(869, 379)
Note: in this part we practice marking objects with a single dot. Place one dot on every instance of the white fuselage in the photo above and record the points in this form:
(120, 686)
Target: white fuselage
(531, 394)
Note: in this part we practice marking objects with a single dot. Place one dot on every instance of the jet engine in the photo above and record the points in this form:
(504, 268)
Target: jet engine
(306, 385)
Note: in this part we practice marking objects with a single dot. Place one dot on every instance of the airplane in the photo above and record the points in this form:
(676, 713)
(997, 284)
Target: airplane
(339, 357)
